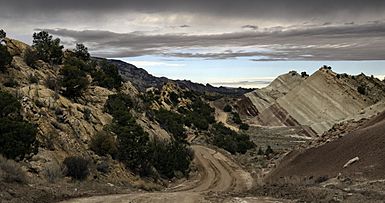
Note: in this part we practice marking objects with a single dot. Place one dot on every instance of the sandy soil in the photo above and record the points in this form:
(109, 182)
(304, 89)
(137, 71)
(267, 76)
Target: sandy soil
(217, 174)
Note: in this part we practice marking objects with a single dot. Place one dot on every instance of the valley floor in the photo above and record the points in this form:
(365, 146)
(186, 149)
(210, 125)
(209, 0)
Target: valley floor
(218, 177)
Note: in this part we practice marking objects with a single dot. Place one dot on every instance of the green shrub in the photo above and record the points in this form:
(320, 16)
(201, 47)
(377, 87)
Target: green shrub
(5, 57)
(76, 167)
(74, 81)
(81, 52)
(118, 102)
(52, 83)
(79, 63)
(174, 98)
(260, 151)
(108, 76)
(169, 157)
(133, 147)
(327, 67)
(236, 118)
(10, 171)
(269, 151)
(118, 105)
(9, 105)
(304, 74)
(33, 79)
(17, 137)
(48, 49)
(201, 114)
(230, 140)
(104, 143)
(103, 167)
(361, 89)
(2, 34)
(30, 57)
(227, 108)
(244, 126)
(172, 122)
(87, 114)
(11, 82)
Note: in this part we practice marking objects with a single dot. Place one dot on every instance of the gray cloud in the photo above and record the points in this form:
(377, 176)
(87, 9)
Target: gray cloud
(323, 42)
(214, 29)
(252, 27)
(255, 8)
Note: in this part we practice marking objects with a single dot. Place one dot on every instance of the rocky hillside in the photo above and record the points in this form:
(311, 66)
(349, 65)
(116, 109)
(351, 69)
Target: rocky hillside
(65, 126)
(318, 101)
(81, 122)
(142, 80)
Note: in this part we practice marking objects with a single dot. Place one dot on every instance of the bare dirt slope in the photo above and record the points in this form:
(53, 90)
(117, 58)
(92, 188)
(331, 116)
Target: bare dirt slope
(265, 97)
(367, 143)
(217, 174)
(223, 117)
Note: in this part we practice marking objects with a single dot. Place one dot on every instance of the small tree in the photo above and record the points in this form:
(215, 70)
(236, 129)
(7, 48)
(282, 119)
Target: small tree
(260, 151)
(9, 105)
(304, 74)
(17, 137)
(30, 57)
(79, 63)
(104, 143)
(81, 52)
(227, 108)
(77, 167)
(268, 151)
(108, 76)
(74, 81)
(244, 126)
(48, 49)
(133, 147)
(170, 156)
(236, 118)
(361, 89)
(5, 57)
(2, 34)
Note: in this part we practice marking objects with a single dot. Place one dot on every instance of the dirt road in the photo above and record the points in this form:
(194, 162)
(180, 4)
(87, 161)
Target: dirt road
(217, 173)
(222, 117)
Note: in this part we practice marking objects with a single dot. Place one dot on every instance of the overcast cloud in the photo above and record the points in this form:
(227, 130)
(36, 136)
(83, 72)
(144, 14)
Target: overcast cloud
(214, 29)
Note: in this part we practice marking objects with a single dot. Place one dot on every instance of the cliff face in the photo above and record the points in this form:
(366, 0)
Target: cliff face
(319, 101)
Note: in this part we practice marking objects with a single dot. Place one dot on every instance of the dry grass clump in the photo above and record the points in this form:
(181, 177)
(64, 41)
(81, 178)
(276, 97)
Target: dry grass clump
(10, 171)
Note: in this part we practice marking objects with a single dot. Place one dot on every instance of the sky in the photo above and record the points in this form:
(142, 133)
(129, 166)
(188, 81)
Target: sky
(222, 42)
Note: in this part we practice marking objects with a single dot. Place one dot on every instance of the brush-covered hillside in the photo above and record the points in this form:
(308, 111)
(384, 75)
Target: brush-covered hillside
(72, 124)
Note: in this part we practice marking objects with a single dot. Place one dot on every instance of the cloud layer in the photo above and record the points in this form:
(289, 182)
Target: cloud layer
(322, 42)
(216, 29)
(253, 8)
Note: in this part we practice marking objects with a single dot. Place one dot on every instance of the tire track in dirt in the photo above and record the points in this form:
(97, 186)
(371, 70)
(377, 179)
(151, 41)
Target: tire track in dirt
(217, 173)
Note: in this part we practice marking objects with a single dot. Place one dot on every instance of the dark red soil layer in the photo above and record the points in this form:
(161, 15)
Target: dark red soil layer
(367, 143)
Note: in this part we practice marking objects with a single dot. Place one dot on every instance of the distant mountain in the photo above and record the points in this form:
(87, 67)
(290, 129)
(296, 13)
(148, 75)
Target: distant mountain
(141, 79)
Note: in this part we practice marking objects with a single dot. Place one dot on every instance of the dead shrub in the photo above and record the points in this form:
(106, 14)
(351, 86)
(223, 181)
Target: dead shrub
(11, 172)
(53, 172)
